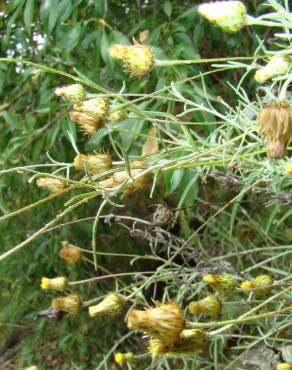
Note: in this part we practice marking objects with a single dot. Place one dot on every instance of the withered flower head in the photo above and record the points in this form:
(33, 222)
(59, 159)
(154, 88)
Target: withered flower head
(95, 163)
(58, 283)
(208, 306)
(275, 122)
(52, 184)
(278, 65)
(87, 122)
(97, 107)
(122, 358)
(138, 59)
(220, 283)
(70, 252)
(113, 304)
(164, 322)
(70, 304)
(262, 284)
(231, 16)
(191, 341)
(75, 93)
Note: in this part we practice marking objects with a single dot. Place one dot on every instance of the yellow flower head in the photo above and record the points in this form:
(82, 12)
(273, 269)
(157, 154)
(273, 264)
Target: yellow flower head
(70, 304)
(138, 59)
(121, 358)
(278, 65)
(262, 284)
(288, 168)
(117, 114)
(53, 185)
(220, 283)
(285, 366)
(208, 306)
(87, 122)
(58, 283)
(94, 163)
(231, 16)
(75, 93)
(70, 252)
(275, 122)
(33, 367)
(164, 322)
(97, 107)
(113, 304)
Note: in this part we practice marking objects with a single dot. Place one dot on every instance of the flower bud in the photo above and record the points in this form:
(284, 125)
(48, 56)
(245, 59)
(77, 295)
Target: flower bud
(70, 252)
(208, 306)
(288, 168)
(121, 358)
(94, 163)
(138, 59)
(58, 283)
(285, 366)
(231, 16)
(275, 122)
(191, 341)
(220, 283)
(262, 284)
(97, 107)
(117, 115)
(52, 184)
(278, 65)
(88, 123)
(113, 304)
(70, 304)
(164, 322)
(75, 93)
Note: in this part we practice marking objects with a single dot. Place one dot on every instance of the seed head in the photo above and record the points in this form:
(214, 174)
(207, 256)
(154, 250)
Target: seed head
(70, 304)
(97, 107)
(87, 122)
(70, 252)
(275, 122)
(285, 366)
(164, 322)
(58, 283)
(52, 184)
(278, 65)
(94, 163)
(138, 59)
(75, 93)
(220, 283)
(262, 284)
(121, 358)
(208, 306)
(113, 304)
(231, 16)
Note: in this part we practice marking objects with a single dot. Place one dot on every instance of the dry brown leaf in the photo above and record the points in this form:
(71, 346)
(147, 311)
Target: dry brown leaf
(143, 35)
(151, 143)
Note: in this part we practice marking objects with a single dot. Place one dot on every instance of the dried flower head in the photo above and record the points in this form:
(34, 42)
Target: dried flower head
(231, 16)
(117, 115)
(277, 65)
(262, 284)
(75, 93)
(58, 283)
(52, 184)
(275, 122)
(138, 59)
(113, 304)
(87, 122)
(288, 168)
(70, 252)
(209, 306)
(120, 177)
(97, 107)
(285, 366)
(164, 322)
(191, 341)
(70, 304)
(220, 283)
(122, 358)
(94, 163)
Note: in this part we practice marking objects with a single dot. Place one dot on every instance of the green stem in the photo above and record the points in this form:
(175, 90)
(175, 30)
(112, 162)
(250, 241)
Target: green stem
(94, 232)
(196, 325)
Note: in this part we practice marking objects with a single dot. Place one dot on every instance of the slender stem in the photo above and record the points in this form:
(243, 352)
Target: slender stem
(94, 231)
